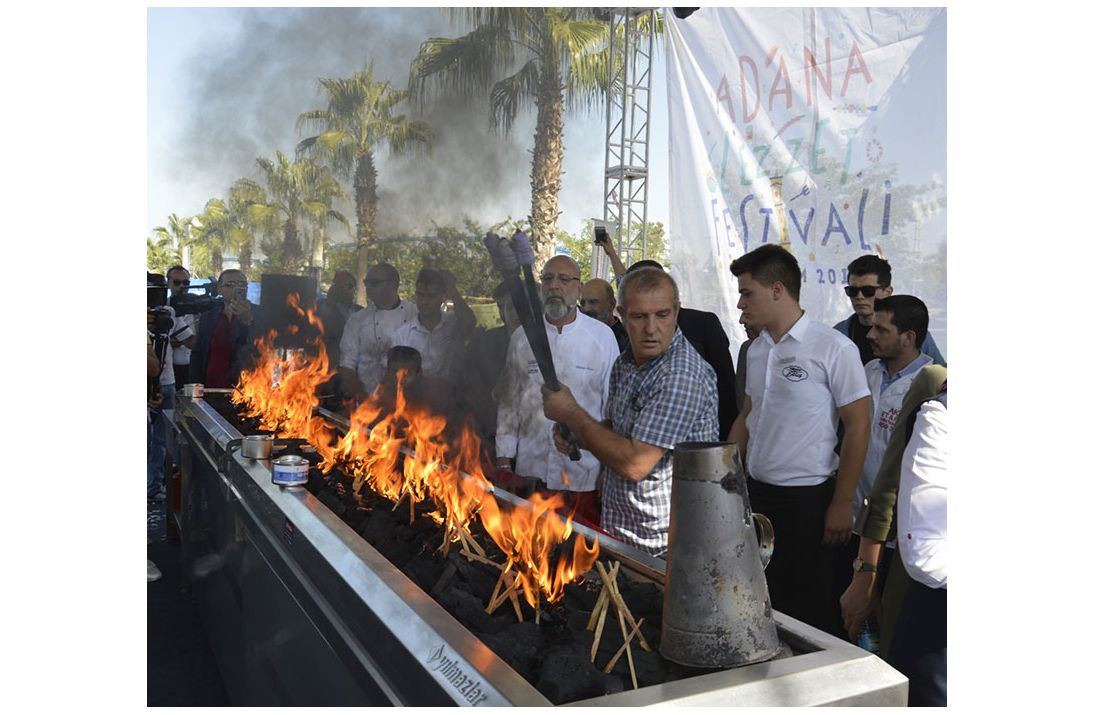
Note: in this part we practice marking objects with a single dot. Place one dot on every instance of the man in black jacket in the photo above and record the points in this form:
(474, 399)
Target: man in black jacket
(225, 335)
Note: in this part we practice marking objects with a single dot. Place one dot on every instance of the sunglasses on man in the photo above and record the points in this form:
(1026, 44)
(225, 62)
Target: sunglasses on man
(867, 291)
(178, 282)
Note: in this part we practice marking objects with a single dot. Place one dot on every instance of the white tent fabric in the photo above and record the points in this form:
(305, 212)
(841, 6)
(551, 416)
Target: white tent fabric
(821, 129)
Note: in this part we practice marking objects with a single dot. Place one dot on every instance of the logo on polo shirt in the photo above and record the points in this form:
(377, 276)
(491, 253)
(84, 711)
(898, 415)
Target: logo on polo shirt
(795, 373)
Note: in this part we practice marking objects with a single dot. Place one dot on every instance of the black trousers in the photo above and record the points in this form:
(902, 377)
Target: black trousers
(181, 373)
(919, 644)
(800, 574)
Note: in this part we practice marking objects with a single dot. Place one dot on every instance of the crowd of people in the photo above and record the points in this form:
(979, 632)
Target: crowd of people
(841, 428)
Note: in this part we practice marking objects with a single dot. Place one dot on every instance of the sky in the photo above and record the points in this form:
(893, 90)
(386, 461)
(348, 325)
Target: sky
(225, 86)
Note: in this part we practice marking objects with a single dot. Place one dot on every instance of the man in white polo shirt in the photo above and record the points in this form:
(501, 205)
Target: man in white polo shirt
(803, 378)
(438, 336)
(584, 350)
(366, 337)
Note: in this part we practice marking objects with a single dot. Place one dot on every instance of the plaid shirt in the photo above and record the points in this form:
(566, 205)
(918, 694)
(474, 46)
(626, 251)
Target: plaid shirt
(670, 399)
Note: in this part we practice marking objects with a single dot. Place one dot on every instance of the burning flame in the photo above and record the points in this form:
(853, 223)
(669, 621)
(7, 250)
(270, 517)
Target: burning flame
(281, 391)
(529, 536)
(398, 448)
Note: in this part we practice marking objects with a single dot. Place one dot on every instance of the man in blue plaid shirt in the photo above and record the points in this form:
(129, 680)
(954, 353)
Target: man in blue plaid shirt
(661, 393)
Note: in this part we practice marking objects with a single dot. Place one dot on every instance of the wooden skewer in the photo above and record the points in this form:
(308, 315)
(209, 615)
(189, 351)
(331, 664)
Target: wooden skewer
(595, 615)
(494, 595)
(599, 630)
(508, 593)
(626, 642)
(617, 599)
(465, 535)
(475, 557)
(514, 598)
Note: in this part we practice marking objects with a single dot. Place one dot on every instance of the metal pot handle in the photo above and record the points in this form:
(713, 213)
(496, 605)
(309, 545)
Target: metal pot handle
(765, 534)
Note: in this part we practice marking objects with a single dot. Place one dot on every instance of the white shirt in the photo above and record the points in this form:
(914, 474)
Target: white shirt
(921, 501)
(182, 330)
(440, 347)
(583, 354)
(797, 386)
(886, 408)
(366, 339)
(167, 366)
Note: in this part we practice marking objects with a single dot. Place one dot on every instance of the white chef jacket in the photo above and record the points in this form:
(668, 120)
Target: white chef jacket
(921, 501)
(797, 386)
(583, 355)
(366, 339)
(440, 347)
(886, 408)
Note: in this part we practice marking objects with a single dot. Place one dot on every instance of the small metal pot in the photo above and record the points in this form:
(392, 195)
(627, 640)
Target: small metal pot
(257, 446)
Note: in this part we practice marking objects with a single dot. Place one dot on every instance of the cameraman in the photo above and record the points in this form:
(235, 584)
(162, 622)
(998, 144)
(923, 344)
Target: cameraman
(224, 335)
(161, 398)
(182, 334)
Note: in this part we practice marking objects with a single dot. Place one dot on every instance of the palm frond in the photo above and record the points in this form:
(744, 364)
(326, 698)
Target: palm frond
(466, 64)
(512, 94)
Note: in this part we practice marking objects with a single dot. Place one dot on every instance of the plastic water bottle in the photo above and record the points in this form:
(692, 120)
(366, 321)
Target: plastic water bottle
(869, 639)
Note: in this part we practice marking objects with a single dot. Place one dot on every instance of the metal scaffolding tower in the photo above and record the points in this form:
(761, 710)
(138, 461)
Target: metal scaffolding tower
(626, 156)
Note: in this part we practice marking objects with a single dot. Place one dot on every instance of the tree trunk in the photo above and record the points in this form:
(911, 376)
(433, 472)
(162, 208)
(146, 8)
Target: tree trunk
(293, 252)
(317, 248)
(547, 163)
(216, 260)
(246, 252)
(364, 194)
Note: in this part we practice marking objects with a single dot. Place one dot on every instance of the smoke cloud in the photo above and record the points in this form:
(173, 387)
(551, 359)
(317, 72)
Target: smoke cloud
(245, 96)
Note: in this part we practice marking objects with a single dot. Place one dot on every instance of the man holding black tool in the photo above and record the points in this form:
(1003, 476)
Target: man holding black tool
(583, 351)
(702, 329)
(660, 393)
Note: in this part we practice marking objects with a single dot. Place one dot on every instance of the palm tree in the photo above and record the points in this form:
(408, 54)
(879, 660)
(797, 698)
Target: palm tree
(241, 197)
(295, 191)
(211, 237)
(177, 232)
(563, 58)
(357, 122)
(161, 255)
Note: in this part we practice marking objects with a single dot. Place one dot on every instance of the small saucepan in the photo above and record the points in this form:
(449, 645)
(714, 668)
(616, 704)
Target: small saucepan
(257, 446)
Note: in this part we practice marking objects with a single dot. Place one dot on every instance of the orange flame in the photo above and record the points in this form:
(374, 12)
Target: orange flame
(398, 449)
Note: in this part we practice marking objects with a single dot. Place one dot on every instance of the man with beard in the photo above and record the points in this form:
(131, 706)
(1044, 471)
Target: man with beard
(899, 324)
(438, 336)
(225, 334)
(183, 336)
(583, 350)
(869, 279)
(598, 301)
(660, 393)
(366, 337)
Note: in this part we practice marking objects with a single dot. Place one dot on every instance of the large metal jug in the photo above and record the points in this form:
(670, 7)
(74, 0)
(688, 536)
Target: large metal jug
(717, 612)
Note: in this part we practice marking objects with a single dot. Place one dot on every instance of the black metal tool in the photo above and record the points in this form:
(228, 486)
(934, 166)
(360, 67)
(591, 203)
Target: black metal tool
(509, 258)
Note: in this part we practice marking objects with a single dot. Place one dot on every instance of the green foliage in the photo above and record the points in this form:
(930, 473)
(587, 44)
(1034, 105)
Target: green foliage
(555, 42)
(581, 247)
(161, 255)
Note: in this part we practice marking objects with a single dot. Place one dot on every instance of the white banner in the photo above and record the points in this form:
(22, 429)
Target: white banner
(820, 129)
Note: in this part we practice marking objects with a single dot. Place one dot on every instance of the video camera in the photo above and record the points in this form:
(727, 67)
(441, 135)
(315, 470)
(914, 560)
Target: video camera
(187, 303)
(162, 320)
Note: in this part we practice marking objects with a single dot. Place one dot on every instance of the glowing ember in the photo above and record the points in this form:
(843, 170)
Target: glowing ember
(400, 451)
